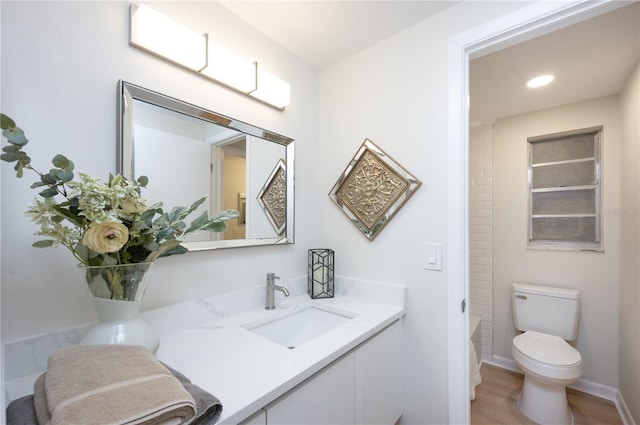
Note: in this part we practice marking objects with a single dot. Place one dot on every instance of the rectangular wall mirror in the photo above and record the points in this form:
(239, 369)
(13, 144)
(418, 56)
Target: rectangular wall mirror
(189, 152)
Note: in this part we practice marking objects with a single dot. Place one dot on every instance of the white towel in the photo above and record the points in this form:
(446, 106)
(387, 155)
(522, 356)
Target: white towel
(474, 371)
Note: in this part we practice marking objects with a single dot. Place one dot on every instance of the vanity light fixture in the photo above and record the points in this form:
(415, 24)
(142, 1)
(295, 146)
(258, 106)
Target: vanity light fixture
(230, 69)
(159, 35)
(270, 88)
(539, 81)
(155, 33)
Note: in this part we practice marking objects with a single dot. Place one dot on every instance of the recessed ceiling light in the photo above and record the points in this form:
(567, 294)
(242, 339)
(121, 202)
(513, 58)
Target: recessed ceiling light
(540, 81)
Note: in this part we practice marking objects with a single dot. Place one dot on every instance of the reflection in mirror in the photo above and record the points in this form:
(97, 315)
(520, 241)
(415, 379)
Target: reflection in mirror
(189, 152)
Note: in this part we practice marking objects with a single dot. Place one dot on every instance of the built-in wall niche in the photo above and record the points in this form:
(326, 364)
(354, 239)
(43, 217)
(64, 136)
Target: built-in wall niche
(564, 190)
(183, 149)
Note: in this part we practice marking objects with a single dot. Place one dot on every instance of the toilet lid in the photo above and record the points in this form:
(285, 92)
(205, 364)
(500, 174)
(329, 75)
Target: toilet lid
(549, 349)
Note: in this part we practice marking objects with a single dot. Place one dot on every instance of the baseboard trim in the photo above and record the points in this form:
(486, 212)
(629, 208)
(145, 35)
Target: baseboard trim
(583, 385)
(623, 410)
(504, 363)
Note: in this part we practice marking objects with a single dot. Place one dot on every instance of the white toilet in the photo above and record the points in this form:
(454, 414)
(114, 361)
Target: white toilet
(547, 316)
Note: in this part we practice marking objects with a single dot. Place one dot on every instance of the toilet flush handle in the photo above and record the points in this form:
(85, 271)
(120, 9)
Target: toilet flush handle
(522, 297)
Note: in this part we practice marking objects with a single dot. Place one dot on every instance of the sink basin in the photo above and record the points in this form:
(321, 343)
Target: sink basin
(300, 326)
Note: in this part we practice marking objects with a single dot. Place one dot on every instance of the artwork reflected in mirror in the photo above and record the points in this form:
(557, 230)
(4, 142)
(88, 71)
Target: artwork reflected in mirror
(189, 152)
(272, 197)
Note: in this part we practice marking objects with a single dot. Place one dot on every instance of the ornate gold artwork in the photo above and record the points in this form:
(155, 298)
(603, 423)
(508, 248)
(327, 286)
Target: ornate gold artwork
(372, 189)
(273, 196)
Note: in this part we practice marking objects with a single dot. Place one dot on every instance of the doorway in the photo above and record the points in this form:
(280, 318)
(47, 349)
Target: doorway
(530, 22)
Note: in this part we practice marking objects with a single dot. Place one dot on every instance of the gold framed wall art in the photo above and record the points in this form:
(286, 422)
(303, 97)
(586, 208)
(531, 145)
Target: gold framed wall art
(372, 189)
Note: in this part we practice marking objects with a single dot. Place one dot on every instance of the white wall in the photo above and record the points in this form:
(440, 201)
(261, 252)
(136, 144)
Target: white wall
(629, 215)
(481, 235)
(61, 62)
(157, 158)
(396, 94)
(60, 65)
(595, 275)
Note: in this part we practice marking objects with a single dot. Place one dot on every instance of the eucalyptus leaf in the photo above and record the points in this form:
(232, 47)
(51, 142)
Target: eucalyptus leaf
(48, 193)
(45, 243)
(11, 157)
(6, 122)
(53, 174)
(48, 178)
(19, 166)
(60, 161)
(15, 136)
(65, 176)
(11, 148)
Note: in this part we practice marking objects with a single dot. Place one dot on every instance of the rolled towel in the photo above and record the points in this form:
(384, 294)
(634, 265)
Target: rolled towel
(26, 410)
(474, 371)
(40, 401)
(113, 384)
(208, 407)
(21, 412)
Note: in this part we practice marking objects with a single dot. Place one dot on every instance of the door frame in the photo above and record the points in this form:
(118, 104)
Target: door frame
(527, 23)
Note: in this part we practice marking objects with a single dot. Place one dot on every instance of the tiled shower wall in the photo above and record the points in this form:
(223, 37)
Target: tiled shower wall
(481, 236)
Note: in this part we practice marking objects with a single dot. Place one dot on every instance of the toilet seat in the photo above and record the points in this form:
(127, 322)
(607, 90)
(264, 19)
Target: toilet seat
(547, 355)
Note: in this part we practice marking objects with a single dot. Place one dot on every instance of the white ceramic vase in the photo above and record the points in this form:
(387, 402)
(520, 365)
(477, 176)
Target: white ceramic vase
(116, 293)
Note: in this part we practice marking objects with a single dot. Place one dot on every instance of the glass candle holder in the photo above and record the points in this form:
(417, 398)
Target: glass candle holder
(321, 268)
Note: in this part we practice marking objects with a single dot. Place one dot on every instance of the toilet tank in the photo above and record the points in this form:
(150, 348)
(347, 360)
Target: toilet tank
(546, 309)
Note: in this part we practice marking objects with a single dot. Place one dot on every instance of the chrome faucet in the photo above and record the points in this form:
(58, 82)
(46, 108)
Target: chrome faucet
(271, 288)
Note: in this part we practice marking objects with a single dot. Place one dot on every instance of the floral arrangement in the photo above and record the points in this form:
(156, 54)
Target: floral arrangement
(103, 224)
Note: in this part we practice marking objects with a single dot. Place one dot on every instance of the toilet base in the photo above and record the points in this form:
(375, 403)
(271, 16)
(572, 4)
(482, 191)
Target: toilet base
(544, 403)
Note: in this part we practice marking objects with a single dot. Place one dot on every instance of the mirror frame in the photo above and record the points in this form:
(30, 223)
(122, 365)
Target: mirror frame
(125, 161)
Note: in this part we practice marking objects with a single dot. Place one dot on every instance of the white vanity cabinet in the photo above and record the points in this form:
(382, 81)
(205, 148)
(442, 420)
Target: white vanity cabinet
(326, 398)
(258, 418)
(379, 378)
(362, 387)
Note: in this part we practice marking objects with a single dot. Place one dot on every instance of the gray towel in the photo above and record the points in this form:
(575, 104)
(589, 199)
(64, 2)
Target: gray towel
(208, 407)
(21, 412)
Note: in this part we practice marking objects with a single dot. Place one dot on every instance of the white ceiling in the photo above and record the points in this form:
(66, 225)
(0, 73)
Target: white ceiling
(324, 32)
(590, 59)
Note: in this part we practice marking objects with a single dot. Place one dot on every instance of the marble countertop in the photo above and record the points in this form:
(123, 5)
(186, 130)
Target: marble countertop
(207, 340)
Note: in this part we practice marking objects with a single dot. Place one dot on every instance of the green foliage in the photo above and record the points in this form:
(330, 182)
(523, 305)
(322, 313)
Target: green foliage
(13, 152)
(103, 223)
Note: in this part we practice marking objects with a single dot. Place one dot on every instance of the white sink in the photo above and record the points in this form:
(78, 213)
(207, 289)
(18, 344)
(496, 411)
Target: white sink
(300, 326)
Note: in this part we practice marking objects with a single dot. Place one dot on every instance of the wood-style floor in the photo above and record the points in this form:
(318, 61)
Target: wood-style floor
(496, 402)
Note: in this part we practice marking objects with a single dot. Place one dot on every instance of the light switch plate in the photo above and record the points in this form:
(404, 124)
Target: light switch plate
(433, 256)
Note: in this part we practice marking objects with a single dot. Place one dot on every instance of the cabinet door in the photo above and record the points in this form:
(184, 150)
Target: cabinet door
(324, 399)
(258, 418)
(379, 378)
